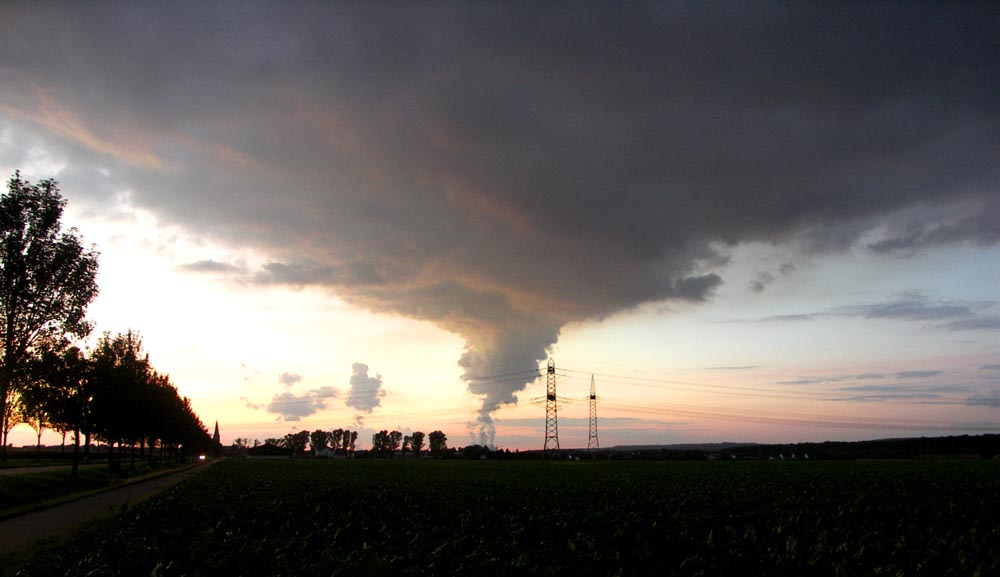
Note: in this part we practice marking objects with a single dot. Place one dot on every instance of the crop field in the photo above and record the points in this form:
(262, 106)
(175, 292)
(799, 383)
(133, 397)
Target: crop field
(323, 518)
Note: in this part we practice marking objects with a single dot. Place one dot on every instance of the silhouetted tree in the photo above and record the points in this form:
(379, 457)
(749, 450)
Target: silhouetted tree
(395, 440)
(12, 413)
(296, 442)
(62, 378)
(47, 280)
(178, 425)
(416, 443)
(336, 438)
(121, 370)
(347, 440)
(380, 443)
(385, 443)
(438, 442)
(34, 410)
(131, 404)
(318, 440)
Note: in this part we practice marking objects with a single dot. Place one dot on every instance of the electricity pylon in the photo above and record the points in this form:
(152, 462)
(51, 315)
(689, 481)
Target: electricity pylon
(551, 416)
(592, 442)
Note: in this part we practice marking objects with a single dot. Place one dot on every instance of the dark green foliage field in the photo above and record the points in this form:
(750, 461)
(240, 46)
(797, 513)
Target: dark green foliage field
(323, 518)
(19, 491)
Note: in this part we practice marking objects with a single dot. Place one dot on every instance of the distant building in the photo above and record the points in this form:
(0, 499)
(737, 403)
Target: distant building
(217, 441)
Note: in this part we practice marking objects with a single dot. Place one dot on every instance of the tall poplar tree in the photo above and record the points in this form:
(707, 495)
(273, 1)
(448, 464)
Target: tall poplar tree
(47, 280)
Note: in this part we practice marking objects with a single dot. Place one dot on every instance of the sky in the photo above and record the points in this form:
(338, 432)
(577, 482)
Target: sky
(767, 222)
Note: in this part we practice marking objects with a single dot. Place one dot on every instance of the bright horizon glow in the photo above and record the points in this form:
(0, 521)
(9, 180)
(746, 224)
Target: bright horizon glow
(663, 376)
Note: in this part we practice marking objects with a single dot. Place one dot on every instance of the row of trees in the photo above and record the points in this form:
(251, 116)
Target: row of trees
(337, 440)
(387, 443)
(112, 393)
(340, 441)
(344, 441)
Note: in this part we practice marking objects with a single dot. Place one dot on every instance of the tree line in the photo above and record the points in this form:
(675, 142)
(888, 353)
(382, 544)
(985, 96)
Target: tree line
(340, 441)
(111, 393)
(387, 443)
(344, 442)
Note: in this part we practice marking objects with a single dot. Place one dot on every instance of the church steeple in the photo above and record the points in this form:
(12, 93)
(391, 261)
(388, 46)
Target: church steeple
(215, 437)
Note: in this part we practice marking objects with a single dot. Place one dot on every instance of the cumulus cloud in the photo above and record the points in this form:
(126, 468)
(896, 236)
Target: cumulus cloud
(505, 170)
(366, 392)
(291, 407)
(289, 379)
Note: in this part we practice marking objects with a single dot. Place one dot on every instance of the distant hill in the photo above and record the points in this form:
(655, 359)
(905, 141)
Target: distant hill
(982, 446)
(961, 446)
(704, 447)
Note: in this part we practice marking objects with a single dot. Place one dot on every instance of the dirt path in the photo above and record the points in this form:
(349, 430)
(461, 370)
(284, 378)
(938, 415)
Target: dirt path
(19, 532)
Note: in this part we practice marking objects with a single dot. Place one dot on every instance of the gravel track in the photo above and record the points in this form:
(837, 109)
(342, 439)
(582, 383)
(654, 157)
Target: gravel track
(22, 531)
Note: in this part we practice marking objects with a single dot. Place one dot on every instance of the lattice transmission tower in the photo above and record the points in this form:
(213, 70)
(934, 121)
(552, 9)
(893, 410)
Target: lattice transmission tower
(592, 442)
(551, 416)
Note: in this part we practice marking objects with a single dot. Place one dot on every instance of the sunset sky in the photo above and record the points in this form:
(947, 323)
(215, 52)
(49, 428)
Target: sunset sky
(750, 222)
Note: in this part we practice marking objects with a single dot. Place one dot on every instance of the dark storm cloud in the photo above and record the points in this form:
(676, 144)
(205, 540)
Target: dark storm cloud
(760, 283)
(765, 278)
(504, 170)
